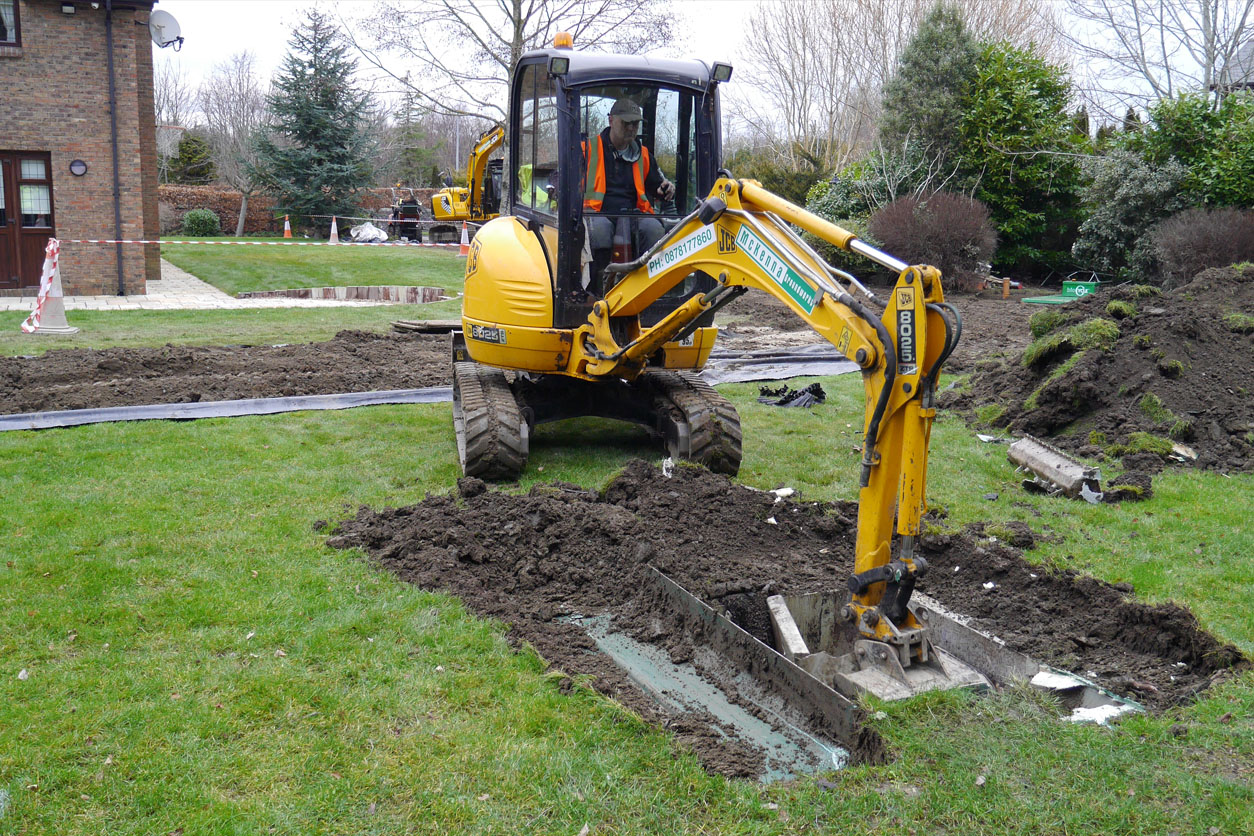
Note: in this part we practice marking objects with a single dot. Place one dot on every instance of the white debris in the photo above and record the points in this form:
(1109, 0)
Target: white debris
(250, 635)
(1032, 575)
(1090, 496)
(771, 520)
(668, 467)
(1101, 714)
(1055, 681)
(783, 493)
(23, 674)
(956, 568)
(990, 585)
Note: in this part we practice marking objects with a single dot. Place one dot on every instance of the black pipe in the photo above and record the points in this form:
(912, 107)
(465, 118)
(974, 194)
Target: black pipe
(113, 130)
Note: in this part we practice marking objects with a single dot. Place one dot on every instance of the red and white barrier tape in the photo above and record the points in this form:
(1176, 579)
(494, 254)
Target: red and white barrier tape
(258, 243)
(45, 285)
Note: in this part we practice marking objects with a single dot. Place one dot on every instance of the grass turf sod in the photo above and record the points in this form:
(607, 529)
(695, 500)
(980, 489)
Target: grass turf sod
(389, 710)
(237, 269)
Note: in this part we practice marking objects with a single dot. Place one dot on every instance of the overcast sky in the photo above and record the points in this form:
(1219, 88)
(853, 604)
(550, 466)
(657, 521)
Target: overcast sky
(216, 29)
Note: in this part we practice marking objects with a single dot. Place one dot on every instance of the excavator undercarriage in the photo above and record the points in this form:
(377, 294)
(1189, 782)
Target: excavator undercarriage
(493, 417)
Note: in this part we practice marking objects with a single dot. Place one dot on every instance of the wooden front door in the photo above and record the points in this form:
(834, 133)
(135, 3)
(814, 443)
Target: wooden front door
(26, 217)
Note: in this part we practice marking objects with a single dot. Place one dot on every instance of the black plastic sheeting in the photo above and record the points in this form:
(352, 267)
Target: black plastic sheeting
(816, 360)
(221, 409)
(723, 367)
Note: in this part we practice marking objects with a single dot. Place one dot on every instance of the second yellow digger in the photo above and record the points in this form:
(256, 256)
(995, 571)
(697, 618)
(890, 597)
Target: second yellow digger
(477, 201)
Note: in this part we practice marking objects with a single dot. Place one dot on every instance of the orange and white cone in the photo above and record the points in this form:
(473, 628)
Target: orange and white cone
(464, 249)
(49, 314)
(335, 231)
(287, 227)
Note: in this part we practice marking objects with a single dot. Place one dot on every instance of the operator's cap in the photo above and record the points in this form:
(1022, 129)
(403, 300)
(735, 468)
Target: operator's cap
(627, 110)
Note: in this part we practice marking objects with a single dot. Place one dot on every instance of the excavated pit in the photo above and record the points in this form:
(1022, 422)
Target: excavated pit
(535, 561)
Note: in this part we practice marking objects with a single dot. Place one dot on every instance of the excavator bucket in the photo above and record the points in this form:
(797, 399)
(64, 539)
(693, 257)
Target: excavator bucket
(791, 689)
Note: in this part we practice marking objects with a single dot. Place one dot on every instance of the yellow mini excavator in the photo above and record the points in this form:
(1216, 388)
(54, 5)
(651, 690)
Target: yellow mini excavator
(570, 311)
(478, 200)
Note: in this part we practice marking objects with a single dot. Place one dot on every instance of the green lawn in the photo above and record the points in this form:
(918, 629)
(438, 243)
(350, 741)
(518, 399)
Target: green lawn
(198, 662)
(196, 659)
(236, 269)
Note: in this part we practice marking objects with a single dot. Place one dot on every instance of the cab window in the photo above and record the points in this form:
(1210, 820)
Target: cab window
(536, 175)
(667, 130)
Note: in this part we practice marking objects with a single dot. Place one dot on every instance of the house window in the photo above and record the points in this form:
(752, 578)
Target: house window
(34, 192)
(9, 23)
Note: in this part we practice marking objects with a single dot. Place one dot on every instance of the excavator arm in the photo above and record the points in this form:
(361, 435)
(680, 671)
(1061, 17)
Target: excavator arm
(743, 236)
(488, 142)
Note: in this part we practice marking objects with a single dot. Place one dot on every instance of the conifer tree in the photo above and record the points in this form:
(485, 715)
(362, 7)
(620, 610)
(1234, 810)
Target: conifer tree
(316, 154)
(923, 101)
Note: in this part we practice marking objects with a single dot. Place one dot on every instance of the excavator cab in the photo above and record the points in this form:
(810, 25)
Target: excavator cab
(559, 112)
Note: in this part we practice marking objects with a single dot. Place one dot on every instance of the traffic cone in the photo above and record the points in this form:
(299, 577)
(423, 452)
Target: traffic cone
(464, 249)
(335, 232)
(49, 314)
(287, 227)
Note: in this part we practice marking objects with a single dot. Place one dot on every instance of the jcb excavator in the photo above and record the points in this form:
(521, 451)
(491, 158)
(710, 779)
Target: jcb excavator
(480, 198)
(571, 312)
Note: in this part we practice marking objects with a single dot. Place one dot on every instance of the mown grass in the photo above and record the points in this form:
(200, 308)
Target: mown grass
(255, 326)
(153, 572)
(235, 269)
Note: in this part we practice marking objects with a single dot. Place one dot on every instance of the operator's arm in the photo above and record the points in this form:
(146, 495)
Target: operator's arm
(656, 184)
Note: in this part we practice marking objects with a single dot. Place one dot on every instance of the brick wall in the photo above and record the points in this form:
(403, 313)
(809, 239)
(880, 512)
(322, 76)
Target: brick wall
(56, 99)
(224, 202)
(261, 208)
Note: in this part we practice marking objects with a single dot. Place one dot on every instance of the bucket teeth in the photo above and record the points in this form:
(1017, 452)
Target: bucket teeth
(1055, 471)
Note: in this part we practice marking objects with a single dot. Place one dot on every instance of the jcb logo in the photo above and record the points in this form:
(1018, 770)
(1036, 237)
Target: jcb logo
(905, 297)
(726, 241)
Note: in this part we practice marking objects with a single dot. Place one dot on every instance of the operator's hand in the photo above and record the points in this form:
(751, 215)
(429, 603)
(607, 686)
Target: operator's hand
(666, 191)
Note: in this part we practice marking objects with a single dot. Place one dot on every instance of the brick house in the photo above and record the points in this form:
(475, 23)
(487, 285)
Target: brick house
(58, 145)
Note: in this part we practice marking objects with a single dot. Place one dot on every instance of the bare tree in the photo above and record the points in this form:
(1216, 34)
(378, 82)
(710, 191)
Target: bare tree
(824, 63)
(174, 99)
(1136, 52)
(233, 102)
(173, 103)
(462, 52)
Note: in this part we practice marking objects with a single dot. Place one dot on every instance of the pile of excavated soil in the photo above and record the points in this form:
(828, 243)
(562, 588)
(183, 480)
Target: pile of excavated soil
(1178, 370)
(354, 361)
(561, 550)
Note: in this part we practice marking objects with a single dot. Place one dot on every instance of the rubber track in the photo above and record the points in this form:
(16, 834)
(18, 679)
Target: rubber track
(713, 424)
(491, 433)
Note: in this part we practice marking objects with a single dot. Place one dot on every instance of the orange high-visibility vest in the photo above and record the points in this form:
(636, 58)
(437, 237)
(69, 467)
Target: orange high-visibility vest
(594, 190)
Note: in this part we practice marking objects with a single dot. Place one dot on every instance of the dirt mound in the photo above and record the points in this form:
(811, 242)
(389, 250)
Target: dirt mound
(354, 361)
(1125, 372)
(560, 550)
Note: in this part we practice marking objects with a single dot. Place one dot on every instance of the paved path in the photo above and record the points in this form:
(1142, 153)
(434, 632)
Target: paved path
(179, 290)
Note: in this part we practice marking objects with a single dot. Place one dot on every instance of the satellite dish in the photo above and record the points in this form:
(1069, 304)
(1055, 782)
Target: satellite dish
(164, 30)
